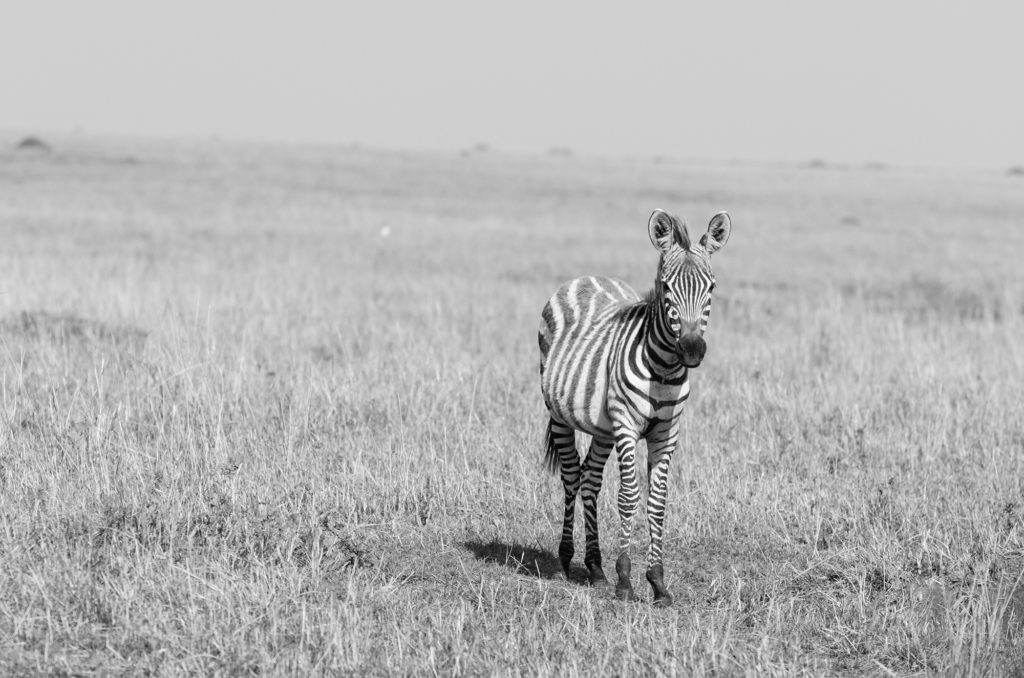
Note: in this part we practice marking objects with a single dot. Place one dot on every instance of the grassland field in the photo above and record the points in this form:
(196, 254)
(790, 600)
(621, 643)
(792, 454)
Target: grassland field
(273, 409)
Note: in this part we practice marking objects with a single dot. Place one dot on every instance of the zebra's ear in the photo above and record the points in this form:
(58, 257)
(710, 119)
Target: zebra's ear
(666, 230)
(718, 233)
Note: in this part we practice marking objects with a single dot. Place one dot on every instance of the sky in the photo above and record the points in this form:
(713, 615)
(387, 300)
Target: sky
(900, 82)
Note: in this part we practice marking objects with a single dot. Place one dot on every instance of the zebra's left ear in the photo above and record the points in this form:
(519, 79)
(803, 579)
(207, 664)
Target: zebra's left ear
(718, 233)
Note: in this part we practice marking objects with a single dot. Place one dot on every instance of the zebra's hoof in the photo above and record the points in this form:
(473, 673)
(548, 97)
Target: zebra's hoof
(597, 578)
(656, 578)
(624, 592)
(624, 589)
(661, 601)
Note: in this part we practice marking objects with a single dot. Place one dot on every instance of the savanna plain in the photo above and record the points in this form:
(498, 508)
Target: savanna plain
(275, 409)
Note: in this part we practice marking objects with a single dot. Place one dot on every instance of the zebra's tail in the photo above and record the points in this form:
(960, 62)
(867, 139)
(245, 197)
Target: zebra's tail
(552, 460)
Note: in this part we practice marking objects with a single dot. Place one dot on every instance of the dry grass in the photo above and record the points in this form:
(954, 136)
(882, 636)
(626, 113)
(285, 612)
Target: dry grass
(242, 432)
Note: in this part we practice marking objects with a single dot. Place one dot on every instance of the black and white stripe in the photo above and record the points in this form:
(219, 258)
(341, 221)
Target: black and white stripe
(616, 366)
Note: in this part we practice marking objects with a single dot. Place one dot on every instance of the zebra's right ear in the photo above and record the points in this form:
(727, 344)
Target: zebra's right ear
(666, 230)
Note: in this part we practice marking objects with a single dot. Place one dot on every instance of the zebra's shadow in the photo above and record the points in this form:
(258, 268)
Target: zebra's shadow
(526, 560)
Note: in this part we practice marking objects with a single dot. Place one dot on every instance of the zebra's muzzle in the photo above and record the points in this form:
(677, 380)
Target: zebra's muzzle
(691, 349)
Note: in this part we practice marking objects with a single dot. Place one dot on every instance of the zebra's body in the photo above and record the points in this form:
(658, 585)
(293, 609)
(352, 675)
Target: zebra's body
(585, 327)
(616, 366)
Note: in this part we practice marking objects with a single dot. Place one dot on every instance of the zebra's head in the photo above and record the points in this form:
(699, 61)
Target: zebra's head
(685, 282)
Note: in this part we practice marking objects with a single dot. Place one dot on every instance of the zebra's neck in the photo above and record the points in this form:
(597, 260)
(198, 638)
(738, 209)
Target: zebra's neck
(659, 343)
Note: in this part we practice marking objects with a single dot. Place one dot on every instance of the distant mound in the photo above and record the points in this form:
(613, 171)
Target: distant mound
(1016, 171)
(476, 149)
(33, 144)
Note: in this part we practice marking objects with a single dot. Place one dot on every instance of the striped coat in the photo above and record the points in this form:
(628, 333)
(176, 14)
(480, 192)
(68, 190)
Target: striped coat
(616, 366)
(594, 356)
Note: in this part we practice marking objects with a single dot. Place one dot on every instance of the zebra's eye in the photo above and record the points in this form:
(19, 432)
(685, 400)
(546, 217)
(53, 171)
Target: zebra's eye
(673, 313)
(712, 288)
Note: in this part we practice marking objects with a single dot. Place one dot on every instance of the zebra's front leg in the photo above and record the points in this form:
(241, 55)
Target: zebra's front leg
(660, 453)
(629, 499)
(593, 473)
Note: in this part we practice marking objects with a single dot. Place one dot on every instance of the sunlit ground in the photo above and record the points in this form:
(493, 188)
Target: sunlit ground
(269, 409)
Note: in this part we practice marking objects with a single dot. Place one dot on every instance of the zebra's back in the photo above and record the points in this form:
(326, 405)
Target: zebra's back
(579, 328)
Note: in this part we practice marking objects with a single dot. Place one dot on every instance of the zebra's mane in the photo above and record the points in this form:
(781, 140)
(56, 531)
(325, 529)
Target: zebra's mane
(652, 294)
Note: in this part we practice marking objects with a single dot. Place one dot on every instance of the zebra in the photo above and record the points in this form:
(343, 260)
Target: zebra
(616, 366)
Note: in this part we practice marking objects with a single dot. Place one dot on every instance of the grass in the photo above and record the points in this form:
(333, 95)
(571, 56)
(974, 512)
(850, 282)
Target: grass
(242, 431)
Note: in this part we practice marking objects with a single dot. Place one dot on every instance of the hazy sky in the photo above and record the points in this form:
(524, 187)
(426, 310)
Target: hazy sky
(922, 83)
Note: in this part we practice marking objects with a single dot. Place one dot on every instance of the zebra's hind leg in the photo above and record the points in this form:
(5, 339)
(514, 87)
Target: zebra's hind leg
(593, 473)
(562, 450)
